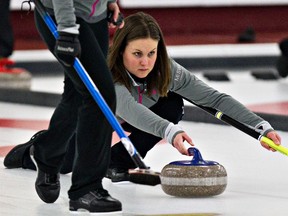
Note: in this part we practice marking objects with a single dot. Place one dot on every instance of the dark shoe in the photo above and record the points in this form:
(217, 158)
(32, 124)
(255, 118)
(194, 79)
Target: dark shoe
(283, 46)
(18, 157)
(117, 174)
(96, 201)
(48, 186)
(247, 36)
(282, 66)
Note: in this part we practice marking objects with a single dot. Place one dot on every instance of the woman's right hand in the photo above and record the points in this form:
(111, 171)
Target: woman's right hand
(179, 140)
(275, 137)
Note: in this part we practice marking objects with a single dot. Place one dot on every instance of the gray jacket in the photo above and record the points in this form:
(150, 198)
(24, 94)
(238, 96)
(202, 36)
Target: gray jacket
(66, 11)
(132, 107)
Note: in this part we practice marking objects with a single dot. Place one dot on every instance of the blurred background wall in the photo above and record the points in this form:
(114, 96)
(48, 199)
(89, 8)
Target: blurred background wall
(185, 21)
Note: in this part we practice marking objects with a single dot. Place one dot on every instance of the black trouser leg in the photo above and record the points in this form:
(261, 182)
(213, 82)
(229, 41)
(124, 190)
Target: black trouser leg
(170, 108)
(51, 146)
(68, 162)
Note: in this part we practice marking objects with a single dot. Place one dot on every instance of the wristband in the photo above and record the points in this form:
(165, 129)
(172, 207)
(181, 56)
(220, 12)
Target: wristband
(171, 131)
(263, 128)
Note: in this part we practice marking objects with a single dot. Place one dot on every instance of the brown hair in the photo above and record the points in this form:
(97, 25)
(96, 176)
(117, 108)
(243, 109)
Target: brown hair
(140, 26)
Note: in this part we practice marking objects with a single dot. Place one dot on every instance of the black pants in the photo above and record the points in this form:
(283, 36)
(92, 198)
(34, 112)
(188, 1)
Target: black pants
(170, 108)
(77, 113)
(6, 32)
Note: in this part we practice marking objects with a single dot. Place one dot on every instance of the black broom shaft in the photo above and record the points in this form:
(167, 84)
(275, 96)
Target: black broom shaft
(230, 121)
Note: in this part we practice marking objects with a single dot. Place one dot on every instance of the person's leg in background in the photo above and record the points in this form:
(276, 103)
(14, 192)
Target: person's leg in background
(6, 36)
(170, 108)
(282, 60)
(6, 33)
(7, 43)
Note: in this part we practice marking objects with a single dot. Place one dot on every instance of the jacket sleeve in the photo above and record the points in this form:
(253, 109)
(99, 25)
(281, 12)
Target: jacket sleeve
(136, 114)
(65, 16)
(190, 87)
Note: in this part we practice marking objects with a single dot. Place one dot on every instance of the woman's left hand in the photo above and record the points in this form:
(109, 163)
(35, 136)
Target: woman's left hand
(116, 12)
(275, 137)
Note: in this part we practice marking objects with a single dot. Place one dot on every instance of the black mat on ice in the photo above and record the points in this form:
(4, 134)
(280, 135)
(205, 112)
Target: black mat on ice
(29, 97)
(192, 113)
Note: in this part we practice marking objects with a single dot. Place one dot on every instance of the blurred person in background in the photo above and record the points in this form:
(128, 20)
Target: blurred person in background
(282, 60)
(6, 39)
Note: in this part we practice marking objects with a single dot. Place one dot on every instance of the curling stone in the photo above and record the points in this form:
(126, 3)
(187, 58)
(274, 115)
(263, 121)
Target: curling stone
(195, 178)
(13, 77)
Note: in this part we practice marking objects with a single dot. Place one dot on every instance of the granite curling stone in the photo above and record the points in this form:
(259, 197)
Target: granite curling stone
(13, 77)
(195, 178)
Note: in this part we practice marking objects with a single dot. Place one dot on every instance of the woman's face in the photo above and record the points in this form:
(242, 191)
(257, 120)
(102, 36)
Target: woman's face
(139, 56)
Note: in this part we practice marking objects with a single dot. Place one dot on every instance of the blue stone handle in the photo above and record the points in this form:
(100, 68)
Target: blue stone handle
(198, 159)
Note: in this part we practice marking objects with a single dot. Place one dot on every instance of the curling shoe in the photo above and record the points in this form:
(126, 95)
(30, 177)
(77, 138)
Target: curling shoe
(18, 157)
(117, 174)
(47, 186)
(97, 201)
